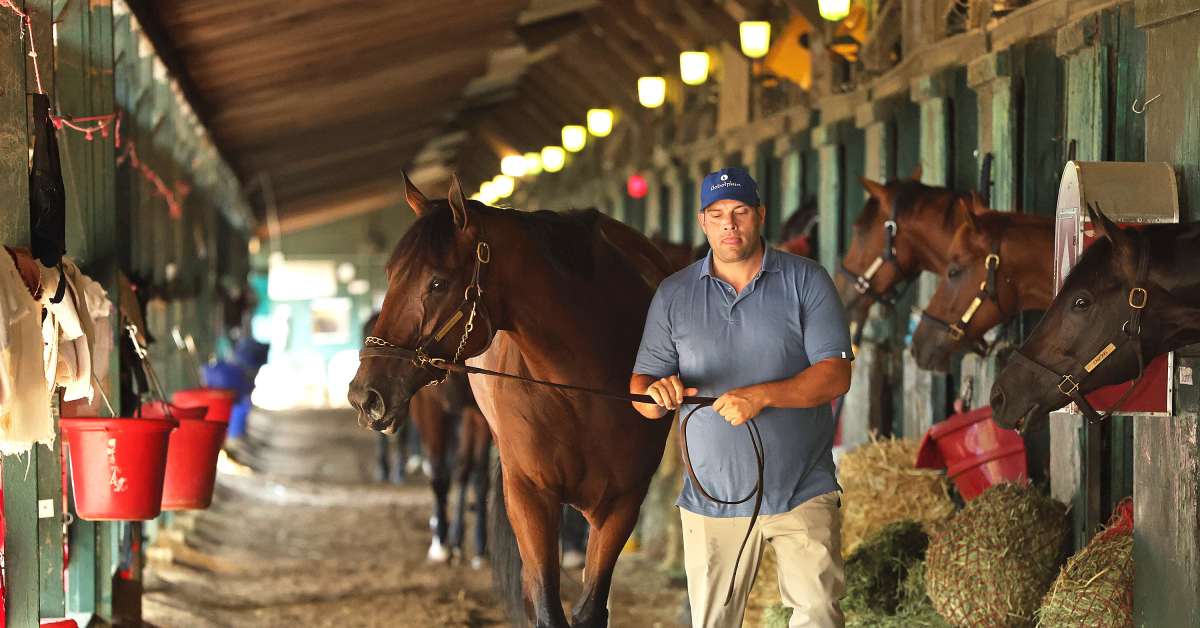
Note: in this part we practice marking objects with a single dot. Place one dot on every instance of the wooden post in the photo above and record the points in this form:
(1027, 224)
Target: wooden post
(827, 138)
(924, 391)
(1166, 462)
(1075, 452)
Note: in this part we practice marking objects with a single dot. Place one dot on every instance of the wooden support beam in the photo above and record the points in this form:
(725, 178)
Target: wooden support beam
(638, 29)
(714, 22)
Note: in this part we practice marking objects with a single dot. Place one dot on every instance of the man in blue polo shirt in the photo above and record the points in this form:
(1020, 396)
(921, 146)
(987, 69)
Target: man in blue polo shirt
(764, 330)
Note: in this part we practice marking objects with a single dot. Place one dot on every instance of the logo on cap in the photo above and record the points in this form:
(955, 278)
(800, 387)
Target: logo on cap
(724, 177)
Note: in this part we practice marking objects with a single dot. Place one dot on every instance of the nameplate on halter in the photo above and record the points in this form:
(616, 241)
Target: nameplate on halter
(970, 313)
(1100, 357)
(441, 333)
(874, 268)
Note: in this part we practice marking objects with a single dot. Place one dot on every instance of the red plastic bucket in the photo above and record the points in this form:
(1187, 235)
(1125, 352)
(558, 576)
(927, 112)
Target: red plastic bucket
(157, 410)
(192, 464)
(117, 466)
(219, 401)
(975, 452)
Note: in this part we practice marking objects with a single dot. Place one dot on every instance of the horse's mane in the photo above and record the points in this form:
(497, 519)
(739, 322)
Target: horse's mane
(563, 238)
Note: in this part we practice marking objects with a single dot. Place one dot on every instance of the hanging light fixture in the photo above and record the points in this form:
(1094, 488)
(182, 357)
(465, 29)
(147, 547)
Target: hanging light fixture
(600, 122)
(652, 91)
(487, 193)
(693, 67)
(553, 158)
(513, 165)
(503, 185)
(574, 137)
(755, 38)
(834, 10)
(533, 163)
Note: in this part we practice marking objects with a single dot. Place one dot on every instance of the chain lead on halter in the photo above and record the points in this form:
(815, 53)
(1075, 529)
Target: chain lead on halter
(1071, 383)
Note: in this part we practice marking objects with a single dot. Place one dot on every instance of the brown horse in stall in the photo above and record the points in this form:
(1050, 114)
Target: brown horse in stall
(559, 297)
(1130, 297)
(905, 227)
(1000, 264)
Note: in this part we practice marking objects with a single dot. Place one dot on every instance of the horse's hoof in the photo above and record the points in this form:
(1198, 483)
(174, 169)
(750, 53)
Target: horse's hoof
(572, 559)
(438, 553)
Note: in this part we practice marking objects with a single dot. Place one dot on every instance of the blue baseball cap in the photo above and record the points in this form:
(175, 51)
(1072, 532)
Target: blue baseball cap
(728, 183)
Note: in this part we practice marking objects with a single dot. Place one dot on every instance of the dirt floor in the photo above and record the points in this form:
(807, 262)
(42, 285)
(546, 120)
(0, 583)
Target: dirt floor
(291, 553)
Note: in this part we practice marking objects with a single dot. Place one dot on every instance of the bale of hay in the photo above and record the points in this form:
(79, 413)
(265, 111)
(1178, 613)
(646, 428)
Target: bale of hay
(876, 571)
(1095, 588)
(880, 486)
(991, 564)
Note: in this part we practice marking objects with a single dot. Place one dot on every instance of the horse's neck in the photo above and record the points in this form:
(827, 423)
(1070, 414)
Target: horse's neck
(1027, 253)
(1180, 321)
(932, 236)
(567, 328)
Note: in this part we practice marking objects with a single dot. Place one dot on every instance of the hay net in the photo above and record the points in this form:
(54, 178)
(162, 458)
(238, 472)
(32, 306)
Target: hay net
(991, 564)
(1095, 588)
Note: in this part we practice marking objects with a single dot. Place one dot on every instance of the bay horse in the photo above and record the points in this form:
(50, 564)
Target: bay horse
(1132, 295)
(999, 264)
(560, 297)
(904, 228)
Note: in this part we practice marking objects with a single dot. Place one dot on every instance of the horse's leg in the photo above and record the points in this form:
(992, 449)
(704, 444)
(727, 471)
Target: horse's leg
(428, 416)
(398, 471)
(383, 466)
(535, 519)
(464, 466)
(482, 488)
(610, 531)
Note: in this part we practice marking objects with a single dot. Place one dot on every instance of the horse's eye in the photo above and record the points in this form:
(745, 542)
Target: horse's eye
(436, 284)
(953, 271)
(1081, 304)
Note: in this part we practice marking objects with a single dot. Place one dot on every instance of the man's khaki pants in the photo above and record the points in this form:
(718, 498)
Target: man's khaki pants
(807, 544)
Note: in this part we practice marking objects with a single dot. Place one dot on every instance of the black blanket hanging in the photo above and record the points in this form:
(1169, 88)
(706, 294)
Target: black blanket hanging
(47, 198)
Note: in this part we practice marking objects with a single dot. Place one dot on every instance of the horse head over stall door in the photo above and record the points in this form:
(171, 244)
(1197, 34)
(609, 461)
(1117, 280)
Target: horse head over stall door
(559, 297)
(1133, 295)
(999, 264)
(904, 228)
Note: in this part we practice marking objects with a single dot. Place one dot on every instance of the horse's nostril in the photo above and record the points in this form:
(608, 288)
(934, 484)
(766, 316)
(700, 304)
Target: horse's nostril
(997, 399)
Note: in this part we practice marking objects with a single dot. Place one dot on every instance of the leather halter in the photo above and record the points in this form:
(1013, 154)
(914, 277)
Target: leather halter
(862, 282)
(988, 291)
(469, 308)
(420, 357)
(1071, 383)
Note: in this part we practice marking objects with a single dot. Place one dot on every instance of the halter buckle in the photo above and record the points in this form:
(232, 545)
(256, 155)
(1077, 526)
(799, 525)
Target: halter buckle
(862, 284)
(956, 331)
(1067, 379)
(1138, 298)
(483, 252)
(992, 261)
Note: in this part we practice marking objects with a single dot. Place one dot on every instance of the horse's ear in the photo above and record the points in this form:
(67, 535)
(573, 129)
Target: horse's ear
(416, 200)
(1106, 228)
(916, 174)
(977, 206)
(966, 213)
(877, 190)
(458, 203)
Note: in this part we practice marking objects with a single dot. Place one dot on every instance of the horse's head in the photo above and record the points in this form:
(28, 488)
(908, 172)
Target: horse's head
(1074, 337)
(971, 296)
(881, 256)
(435, 308)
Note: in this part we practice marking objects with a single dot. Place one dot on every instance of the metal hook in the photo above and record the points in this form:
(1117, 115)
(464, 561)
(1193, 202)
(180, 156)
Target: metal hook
(1134, 106)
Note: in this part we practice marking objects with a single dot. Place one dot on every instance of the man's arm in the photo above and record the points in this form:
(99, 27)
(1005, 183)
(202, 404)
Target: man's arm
(816, 385)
